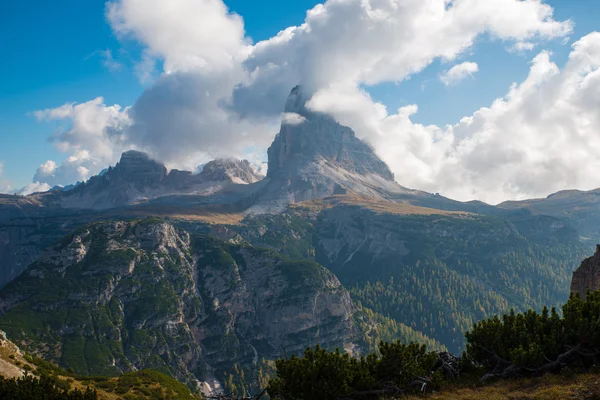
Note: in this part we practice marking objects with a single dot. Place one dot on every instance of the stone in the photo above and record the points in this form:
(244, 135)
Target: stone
(587, 276)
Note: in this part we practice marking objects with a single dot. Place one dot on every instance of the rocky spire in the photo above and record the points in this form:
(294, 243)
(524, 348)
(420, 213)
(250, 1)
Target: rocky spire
(307, 137)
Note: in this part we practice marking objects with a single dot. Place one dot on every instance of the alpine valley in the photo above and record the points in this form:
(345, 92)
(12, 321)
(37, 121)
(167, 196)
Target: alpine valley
(209, 277)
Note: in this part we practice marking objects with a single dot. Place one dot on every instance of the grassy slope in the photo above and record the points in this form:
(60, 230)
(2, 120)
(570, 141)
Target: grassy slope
(140, 385)
(550, 387)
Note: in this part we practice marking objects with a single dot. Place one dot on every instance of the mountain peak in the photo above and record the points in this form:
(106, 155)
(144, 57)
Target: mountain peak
(136, 166)
(296, 101)
(317, 137)
(230, 169)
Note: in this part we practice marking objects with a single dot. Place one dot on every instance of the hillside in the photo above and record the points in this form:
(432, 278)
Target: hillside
(118, 296)
(436, 271)
(139, 385)
(551, 387)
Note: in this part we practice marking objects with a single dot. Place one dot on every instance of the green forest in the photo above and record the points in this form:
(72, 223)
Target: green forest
(516, 344)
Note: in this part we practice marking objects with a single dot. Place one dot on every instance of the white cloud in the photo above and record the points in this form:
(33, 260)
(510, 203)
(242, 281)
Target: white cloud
(219, 95)
(540, 138)
(76, 168)
(291, 118)
(92, 125)
(186, 34)
(93, 134)
(459, 72)
(368, 42)
(521, 47)
(34, 187)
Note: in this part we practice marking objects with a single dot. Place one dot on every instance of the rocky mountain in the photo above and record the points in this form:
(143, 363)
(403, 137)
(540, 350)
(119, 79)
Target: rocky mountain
(120, 296)
(434, 270)
(313, 156)
(579, 208)
(587, 276)
(233, 170)
(137, 178)
(194, 295)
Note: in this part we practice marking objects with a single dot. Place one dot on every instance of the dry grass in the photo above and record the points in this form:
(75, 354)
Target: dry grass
(210, 214)
(378, 206)
(551, 387)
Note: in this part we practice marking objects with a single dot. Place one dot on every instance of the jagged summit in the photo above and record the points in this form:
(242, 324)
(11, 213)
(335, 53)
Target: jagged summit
(238, 171)
(313, 156)
(137, 167)
(137, 177)
(316, 137)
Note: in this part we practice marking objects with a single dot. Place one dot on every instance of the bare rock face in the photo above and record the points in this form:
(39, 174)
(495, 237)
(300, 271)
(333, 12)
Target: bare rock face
(237, 171)
(307, 137)
(138, 167)
(587, 276)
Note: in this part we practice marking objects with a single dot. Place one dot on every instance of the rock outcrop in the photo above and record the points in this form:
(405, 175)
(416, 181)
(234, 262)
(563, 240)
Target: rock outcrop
(121, 296)
(587, 276)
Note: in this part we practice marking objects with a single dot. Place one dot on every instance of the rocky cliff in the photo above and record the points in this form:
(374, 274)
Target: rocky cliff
(119, 296)
(587, 276)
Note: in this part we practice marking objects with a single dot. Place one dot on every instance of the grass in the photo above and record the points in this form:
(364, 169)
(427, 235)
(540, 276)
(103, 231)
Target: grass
(210, 214)
(378, 206)
(550, 387)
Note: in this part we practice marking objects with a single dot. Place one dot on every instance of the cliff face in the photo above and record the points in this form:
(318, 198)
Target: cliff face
(587, 276)
(120, 296)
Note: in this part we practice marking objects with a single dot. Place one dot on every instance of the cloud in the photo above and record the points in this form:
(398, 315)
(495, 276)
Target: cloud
(76, 168)
(181, 120)
(290, 118)
(214, 93)
(91, 125)
(185, 34)
(368, 42)
(459, 72)
(34, 187)
(521, 47)
(93, 134)
(541, 137)
(107, 60)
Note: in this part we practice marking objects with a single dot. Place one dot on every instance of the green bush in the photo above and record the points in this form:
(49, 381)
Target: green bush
(533, 342)
(44, 388)
(323, 375)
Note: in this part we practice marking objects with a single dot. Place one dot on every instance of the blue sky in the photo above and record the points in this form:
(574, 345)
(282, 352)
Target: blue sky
(52, 55)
